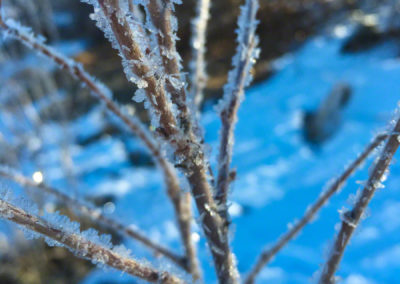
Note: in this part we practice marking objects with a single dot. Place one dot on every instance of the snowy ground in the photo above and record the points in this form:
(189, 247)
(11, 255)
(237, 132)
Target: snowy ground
(278, 173)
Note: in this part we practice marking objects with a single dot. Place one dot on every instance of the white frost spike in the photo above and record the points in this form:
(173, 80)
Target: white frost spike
(140, 96)
(198, 64)
(238, 78)
(246, 53)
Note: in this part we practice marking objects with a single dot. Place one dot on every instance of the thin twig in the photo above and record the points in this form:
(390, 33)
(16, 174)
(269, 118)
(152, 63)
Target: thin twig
(84, 247)
(93, 213)
(188, 152)
(138, 70)
(351, 219)
(198, 65)
(161, 15)
(311, 212)
(182, 211)
(238, 79)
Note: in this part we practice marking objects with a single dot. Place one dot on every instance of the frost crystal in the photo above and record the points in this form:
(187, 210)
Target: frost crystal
(246, 54)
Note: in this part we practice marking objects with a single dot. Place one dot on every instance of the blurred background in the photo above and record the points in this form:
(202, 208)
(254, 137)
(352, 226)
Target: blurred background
(326, 81)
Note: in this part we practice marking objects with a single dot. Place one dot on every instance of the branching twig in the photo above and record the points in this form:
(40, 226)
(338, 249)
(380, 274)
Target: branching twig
(311, 212)
(198, 80)
(351, 219)
(160, 14)
(182, 212)
(238, 79)
(84, 247)
(162, 18)
(187, 149)
(114, 23)
(125, 38)
(92, 213)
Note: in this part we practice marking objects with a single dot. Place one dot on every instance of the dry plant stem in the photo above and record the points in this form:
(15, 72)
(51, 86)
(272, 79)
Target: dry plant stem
(229, 113)
(351, 219)
(181, 210)
(161, 18)
(212, 225)
(198, 67)
(185, 146)
(94, 214)
(85, 247)
(160, 13)
(311, 212)
(124, 37)
(131, 51)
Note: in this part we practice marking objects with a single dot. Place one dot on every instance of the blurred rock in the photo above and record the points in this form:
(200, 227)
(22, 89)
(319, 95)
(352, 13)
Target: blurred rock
(364, 38)
(323, 123)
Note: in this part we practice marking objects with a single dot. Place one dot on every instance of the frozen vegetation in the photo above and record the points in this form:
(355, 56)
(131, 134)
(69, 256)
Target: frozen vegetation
(277, 173)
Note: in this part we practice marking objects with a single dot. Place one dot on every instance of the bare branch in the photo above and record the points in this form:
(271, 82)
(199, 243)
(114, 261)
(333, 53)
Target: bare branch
(93, 213)
(188, 151)
(198, 64)
(114, 23)
(238, 79)
(125, 37)
(311, 212)
(162, 17)
(83, 247)
(351, 219)
(182, 212)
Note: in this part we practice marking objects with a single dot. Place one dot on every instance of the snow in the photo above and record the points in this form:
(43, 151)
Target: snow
(278, 174)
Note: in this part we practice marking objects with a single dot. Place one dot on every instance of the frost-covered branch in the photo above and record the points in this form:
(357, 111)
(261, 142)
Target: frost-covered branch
(93, 213)
(162, 22)
(82, 246)
(239, 77)
(182, 211)
(114, 22)
(312, 211)
(198, 76)
(140, 66)
(188, 152)
(351, 218)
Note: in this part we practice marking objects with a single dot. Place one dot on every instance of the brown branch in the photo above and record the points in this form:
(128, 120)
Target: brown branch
(94, 214)
(83, 247)
(234, 91)
(125, 37)
(311, 212)
(160, 15)
(187, 149)
(135, 61)
(182, 211)
(351, 219)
